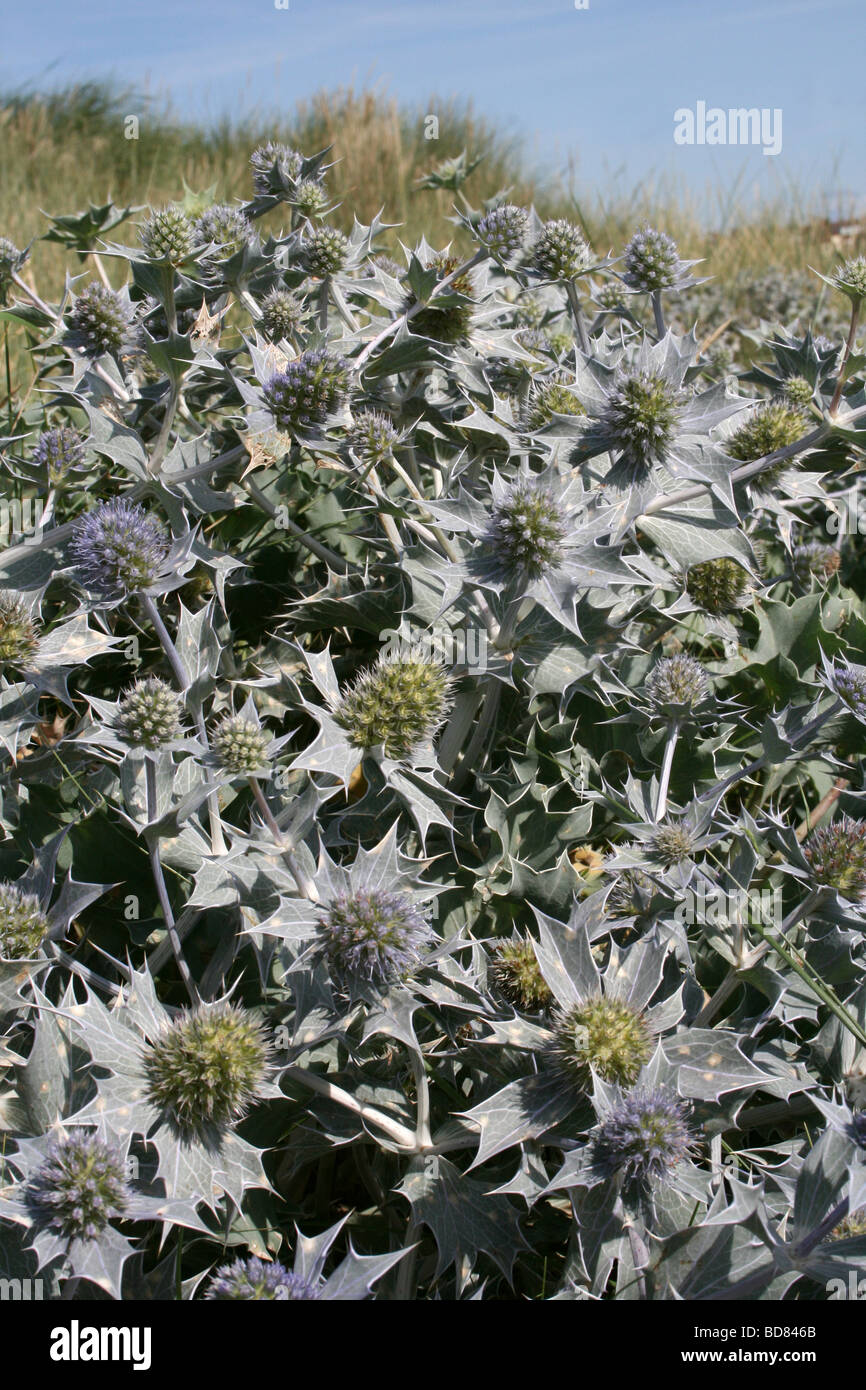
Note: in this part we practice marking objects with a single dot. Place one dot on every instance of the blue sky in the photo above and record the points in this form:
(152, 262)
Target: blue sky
(598, 86)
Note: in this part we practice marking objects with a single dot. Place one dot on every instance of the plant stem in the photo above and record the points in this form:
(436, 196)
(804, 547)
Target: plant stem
(399, 1133)
(849, 344)
(218, 845)
(306, 886)
(577, 315)
(322, 552)
(152, 838)
(665, 774)
(658, 313)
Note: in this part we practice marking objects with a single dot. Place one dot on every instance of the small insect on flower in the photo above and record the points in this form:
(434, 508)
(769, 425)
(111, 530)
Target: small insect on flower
(119, 548)
(19, 638)
(836, 855)
(371, 934)
(717, 585)
(652, 261)
(561, 251)
(307, 390)
(605, 1035)
(240, 745)
(58, 452)
(325, 251)
(80, 1188)
(645, 1136)
(149, 715)
(225, 226)
(168, 235)
(517, 975)
(399, 703)
(257, 1279)
(677, 682)
(502, 230)
(282, 315)
(207, 1067)
(23, 924)
(99, 321)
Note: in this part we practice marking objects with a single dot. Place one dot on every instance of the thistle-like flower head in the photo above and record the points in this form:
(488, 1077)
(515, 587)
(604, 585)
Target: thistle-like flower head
(773, 425)
(23, 924)
(548, 398)
(645, 1136)
(307, 390)
(836, 855)
(517, 975)
(240, 746)
(100, 321)
(224, 225)
(399, 703)
(168, 235)
(849, 683)
(527, 531)
(149, 715)
(673, 842)
(652, 261)
(282, 315)
(19, 639)
(502, 230)
(310, 197)
(815, 558)
(58, 452)
(560, 251)
(605, 1035)
(677, 683)
(717, 585)
(372, 934)
(798, 392)
(448, 323)
(373, 436)
(80, 1188)
(259, 1279)
(631, 894)
(325, 251)
(641, 417)
(207, 1067)
(850, 278)
(288, 163)
(119, 547)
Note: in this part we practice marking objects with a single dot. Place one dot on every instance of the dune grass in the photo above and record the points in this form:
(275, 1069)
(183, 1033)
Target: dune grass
(65, 149)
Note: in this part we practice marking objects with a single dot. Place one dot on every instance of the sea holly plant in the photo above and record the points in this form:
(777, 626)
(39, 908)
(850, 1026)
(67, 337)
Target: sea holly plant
(432, 803)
